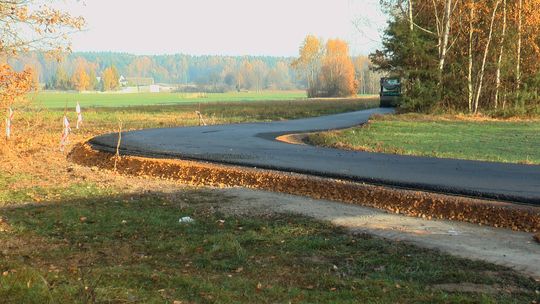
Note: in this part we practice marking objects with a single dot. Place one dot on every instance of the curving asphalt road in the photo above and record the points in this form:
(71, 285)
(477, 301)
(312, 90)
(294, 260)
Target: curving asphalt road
(254, 145)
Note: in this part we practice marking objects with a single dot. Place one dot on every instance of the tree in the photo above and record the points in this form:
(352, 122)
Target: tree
(27, 26)
(470, 88)
(454, 40)
(110, 79)
(486, 50)
(260, 71)
(279, 78)
(247, 75)
(368, 80)
(501, 53)
(141, 67)
(80, 79)
(14, 85)
(93, 83)
(309, 62)
(61, 79)
(337, 71)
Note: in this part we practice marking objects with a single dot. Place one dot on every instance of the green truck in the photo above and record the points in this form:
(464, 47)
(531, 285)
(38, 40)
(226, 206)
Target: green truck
(390, 92)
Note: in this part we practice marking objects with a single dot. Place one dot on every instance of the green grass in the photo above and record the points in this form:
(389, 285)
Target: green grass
(499, 141)
(88, 240)
(59, 99)
(113, 248)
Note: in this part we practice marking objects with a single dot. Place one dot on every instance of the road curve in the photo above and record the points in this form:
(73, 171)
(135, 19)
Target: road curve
(254, 145)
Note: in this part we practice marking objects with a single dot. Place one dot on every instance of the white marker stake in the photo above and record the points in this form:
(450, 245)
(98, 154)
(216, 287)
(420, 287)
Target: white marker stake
(201, 119)
(79, 115)
(9, 120)
(65, 133)
(8, 128)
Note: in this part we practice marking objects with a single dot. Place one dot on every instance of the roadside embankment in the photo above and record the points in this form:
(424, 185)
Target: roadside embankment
(407, 202)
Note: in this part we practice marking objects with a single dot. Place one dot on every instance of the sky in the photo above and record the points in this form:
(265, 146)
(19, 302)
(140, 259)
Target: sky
(219, 27)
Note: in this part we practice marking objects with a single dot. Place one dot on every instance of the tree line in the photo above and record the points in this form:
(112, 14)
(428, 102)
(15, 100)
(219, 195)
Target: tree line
(81, 71)
(464, 55)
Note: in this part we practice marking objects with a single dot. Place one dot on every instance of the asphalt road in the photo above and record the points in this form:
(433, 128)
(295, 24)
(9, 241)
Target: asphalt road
(254, 145)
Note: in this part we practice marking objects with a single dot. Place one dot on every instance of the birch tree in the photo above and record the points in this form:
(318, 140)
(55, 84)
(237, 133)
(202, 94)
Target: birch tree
(444, 34)
(486, 50)
(519, 37)
(470, 88)
(499, 61)
(472, 51)
(310, 61)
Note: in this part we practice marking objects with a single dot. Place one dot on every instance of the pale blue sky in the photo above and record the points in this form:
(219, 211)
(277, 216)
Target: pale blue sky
(233, 27)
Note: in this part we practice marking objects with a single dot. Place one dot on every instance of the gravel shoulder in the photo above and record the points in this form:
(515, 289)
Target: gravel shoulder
(513, 249)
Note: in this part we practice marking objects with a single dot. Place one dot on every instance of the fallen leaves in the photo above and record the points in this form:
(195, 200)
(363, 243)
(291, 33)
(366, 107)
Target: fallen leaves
(407, 202)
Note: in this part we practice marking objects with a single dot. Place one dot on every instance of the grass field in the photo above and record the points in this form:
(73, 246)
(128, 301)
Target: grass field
(72, 234)
(445, 137)
(98, 99)
(101, 246)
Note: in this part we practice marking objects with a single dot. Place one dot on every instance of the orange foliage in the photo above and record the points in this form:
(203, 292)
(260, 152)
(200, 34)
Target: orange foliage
(14, 85)
(329, 70)
(309, 62)
(80, 79)
(110, 79)
(338, 74)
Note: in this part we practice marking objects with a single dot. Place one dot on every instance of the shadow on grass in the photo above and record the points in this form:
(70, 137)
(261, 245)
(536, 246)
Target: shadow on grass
(132, 248)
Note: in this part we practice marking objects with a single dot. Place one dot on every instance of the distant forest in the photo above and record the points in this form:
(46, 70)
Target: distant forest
(204, 73)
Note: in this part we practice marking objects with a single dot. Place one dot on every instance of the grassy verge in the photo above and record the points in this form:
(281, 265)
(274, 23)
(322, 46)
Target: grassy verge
(445, 137)
(117, 248)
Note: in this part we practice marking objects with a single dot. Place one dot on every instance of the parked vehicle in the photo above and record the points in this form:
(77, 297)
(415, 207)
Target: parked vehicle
(390, 91)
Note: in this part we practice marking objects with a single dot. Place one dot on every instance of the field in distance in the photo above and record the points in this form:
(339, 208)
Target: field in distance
(54, 99)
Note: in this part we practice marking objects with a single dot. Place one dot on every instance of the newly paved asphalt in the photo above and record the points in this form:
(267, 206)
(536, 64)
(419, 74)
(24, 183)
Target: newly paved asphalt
(254, 145)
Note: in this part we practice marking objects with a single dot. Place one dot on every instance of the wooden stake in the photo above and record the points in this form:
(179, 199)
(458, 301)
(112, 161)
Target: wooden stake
(117, 155)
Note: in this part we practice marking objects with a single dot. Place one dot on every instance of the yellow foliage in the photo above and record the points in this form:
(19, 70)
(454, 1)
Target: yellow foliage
(80, 79)
(14, 85)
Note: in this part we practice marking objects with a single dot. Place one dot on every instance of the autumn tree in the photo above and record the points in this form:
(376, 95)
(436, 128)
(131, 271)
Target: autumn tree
(14, 85)
(110, 79)
(309, 62)
(278, 77)
(328, 69)
(92, 80)
(61, 79)
(80, 79)
(260, 71)
(26, 26)
(337, 72)
(141, 67)
(247, 78)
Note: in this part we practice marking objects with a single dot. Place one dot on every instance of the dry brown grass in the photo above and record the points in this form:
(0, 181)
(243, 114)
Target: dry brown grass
(34, 150)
